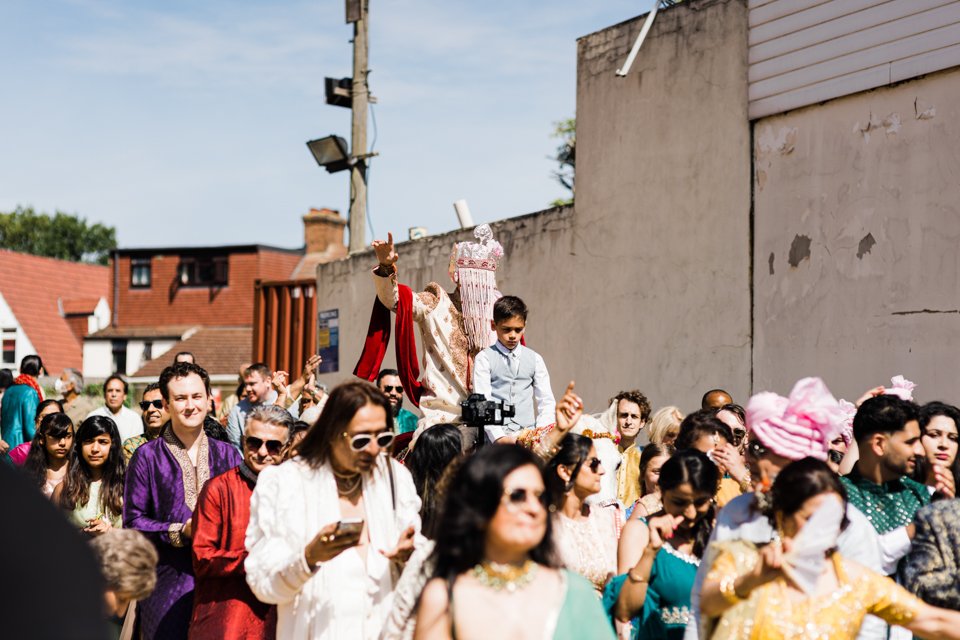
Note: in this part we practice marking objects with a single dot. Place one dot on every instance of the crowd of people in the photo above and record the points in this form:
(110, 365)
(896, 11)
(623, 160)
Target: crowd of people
(291, 513)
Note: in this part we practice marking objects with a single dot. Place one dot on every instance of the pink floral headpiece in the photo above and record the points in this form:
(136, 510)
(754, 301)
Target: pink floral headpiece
(799, 426)
(900, 387)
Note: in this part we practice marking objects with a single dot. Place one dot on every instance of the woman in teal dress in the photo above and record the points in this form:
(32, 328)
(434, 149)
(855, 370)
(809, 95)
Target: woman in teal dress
(496, 574)
(659, 555)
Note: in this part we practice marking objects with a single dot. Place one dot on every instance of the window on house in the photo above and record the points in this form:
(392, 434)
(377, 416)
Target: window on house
(203, 271)
(119, 356)
(9, 337)
(140, 273)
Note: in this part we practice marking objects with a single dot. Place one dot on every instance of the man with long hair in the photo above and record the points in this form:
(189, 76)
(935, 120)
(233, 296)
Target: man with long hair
(330, 529)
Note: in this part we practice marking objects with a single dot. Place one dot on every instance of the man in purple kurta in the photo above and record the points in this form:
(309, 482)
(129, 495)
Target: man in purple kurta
(164, 478)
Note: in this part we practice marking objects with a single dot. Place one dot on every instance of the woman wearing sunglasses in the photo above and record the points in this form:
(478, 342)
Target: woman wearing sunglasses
(496, 574)
(659, 555)
(330, 529)
(586, 537)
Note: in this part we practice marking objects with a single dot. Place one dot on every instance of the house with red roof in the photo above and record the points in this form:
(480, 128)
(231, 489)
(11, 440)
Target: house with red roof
(198, 299)
(48, 307)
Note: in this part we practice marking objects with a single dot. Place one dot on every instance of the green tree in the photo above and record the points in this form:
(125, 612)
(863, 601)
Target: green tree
(565, 156)
(64, 236)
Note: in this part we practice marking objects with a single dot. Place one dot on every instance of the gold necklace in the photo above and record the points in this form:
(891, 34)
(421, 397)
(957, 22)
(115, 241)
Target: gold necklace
(500, 577)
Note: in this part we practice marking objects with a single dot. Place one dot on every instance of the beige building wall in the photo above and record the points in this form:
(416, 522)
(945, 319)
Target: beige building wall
(646, 285)
(857, 218)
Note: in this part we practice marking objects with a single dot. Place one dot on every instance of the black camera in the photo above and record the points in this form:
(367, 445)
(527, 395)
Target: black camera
(477, 411)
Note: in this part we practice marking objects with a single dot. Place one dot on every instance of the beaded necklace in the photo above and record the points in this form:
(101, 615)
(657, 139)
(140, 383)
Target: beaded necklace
(505, 577)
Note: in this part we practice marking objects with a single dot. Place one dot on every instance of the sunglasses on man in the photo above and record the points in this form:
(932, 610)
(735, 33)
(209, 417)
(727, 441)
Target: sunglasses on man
(274, 447)
(361, 441)
(146, 404)
(388, 389)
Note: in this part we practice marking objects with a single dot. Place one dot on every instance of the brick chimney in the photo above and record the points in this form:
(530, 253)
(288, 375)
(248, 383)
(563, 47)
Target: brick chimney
(323, 230)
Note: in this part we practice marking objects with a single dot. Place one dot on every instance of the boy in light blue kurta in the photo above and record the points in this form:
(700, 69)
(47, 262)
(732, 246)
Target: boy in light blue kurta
(514, 374)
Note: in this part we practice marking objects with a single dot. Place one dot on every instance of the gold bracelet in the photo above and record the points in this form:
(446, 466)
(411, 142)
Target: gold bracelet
(634, 578)
(728, 589)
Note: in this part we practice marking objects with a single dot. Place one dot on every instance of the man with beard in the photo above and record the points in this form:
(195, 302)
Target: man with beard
(887, 433)
(454, 328)
(390, 384)
(154, 416)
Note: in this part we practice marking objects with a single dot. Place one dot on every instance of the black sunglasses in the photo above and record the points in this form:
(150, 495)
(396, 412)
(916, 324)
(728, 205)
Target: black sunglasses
(836, 457)
(756, 449)
(388, 389)
(361, 441)
(738, 436)
(593, 464)
(274, 447)
(517, 497)
(146, 404)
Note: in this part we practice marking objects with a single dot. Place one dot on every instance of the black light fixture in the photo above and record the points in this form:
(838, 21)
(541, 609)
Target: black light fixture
(330, 153)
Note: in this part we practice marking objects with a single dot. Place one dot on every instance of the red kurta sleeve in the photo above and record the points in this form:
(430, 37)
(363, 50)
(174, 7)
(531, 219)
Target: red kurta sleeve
(212, 555)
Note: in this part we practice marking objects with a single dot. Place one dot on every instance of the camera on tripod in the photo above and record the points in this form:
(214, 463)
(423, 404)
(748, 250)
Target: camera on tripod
(477, 411)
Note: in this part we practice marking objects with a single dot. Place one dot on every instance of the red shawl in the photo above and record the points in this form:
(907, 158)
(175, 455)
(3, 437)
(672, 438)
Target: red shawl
(378, 335)
(31, 382)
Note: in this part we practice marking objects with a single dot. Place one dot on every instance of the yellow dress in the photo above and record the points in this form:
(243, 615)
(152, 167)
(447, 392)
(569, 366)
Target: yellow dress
(769, 613)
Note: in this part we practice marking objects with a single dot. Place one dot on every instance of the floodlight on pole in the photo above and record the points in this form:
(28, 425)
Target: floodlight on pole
(330, 153)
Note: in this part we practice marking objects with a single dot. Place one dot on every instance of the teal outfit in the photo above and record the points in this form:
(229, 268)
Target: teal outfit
(406, 421)
(581, 615)
(888, 506)
(18, 415)
(666, 609)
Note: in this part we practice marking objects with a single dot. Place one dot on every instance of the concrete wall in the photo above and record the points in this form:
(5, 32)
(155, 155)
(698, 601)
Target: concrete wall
(857, 229)
(646, 284)
(663, 202)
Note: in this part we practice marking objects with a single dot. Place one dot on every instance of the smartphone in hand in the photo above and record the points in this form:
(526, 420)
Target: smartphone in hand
(349, 527)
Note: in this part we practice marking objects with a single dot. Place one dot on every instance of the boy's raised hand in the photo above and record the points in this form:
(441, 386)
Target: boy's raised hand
(386, 255)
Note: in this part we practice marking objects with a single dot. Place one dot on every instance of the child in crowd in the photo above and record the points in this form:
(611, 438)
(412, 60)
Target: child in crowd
(513, 374)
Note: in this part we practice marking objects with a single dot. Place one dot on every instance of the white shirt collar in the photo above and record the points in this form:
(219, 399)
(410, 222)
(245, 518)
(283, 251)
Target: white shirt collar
(502, 349)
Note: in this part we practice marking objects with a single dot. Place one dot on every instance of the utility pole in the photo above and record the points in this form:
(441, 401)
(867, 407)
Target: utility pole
(358, 134)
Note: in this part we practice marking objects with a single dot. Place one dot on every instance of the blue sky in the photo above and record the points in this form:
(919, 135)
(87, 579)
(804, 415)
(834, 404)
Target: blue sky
(184, 122)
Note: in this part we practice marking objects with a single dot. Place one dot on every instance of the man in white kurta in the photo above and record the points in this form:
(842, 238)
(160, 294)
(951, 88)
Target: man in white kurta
(345, 598)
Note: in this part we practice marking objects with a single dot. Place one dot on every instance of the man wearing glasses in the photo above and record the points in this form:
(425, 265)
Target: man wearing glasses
(389, 382)
(331, 529)
(154, 416)
(224, 606)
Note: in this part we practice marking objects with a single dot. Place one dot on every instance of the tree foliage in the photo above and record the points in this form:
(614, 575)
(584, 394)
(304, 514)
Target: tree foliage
(64, 236)
(566, 132)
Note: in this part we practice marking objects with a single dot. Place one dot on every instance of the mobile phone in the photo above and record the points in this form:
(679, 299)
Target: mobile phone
(349, 527)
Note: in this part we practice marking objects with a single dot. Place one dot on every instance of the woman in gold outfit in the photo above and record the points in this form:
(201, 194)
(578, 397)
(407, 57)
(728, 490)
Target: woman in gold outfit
(798, 587)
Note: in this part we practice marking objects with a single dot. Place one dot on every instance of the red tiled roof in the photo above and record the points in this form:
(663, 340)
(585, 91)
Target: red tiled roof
(219, 350)
(34, 288)
(84, 306)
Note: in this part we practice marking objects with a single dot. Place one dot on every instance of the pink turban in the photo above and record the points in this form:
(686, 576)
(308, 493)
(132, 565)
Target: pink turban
(799, 426)
(900, 387)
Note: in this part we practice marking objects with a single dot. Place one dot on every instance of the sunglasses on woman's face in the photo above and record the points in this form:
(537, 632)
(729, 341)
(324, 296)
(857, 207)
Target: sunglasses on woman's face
(274, 447)
(593, 464)
(520, 496)
(361, 441)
